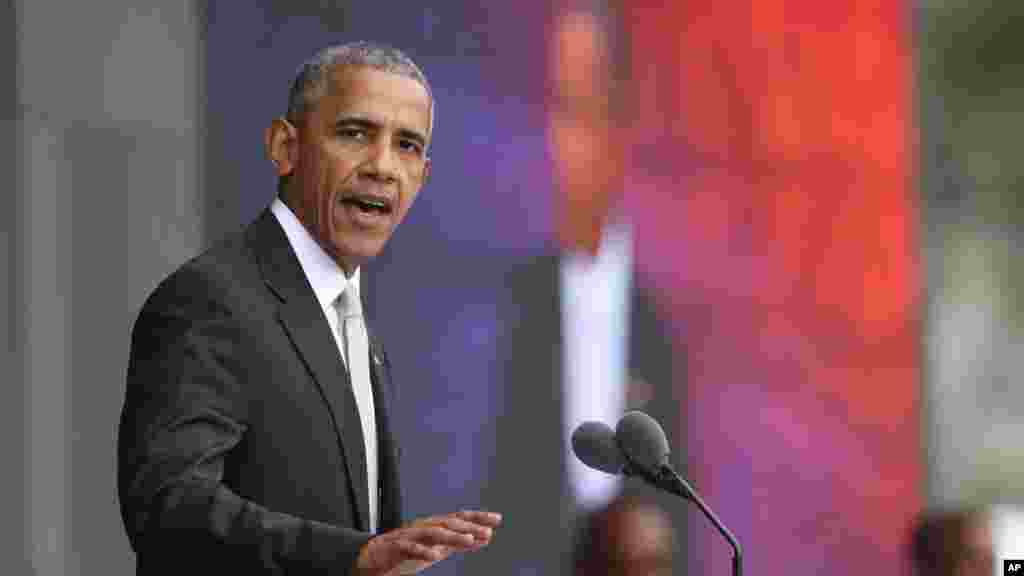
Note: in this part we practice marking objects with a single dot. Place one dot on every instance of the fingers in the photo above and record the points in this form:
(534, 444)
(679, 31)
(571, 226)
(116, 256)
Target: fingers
(407, 550)
(478, 524)
(439, 535)
(456, 524)
(483, 525)
(417, 551)
(489, 519)
(427, 541)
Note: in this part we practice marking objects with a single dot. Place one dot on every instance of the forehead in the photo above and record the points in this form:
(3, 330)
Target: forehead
(391, 99)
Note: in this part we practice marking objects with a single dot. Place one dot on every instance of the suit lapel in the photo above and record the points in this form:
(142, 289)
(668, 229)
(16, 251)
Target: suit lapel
(304, 322)
(390, 493)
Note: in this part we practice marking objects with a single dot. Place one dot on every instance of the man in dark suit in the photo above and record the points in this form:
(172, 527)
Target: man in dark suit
(539, 344)
(255, 433)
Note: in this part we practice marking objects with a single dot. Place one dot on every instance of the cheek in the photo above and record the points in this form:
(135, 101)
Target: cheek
(407, 203)
(327, 172)
(331, 182)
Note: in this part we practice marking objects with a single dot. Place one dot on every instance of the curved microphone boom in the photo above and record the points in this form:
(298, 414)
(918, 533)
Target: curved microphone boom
(639, 447)
(645, 447)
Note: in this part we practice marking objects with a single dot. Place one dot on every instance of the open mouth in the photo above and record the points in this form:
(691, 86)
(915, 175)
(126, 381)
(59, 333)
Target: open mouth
(369, 204)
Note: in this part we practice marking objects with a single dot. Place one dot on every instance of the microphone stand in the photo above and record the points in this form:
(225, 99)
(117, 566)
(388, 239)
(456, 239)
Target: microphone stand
(667, 479)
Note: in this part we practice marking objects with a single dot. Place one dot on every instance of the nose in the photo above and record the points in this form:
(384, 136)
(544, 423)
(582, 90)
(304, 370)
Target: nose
(382, 163)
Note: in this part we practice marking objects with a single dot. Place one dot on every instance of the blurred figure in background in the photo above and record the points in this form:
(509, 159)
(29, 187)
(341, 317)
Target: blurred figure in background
(953, 543)
(628, 537)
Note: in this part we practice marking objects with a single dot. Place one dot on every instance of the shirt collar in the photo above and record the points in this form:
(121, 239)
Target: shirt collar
(323, 274)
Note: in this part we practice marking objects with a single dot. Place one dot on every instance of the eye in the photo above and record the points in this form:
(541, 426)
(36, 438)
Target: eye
(410, 146)
(355, 133)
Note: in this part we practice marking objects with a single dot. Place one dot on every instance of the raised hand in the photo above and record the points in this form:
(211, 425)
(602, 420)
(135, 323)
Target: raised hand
(425, 542)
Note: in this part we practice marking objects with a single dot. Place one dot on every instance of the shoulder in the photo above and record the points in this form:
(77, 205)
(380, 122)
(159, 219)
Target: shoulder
(207, 286)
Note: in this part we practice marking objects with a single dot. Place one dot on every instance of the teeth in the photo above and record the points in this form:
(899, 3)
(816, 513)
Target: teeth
(367, 203)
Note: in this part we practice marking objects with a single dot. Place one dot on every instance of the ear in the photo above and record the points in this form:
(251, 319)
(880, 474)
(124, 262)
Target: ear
(279, 142)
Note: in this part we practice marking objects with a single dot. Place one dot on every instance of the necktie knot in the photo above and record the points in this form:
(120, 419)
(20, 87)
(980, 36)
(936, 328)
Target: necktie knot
(349, 305)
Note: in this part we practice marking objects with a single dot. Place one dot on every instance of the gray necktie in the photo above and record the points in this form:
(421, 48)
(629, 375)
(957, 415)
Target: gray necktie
(357, 359)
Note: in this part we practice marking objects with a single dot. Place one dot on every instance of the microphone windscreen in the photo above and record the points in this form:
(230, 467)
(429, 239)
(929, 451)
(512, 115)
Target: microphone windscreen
(594, 444)
(642, 439)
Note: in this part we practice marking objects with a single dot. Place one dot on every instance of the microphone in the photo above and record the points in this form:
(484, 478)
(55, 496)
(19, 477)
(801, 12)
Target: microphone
(644, 445)
(594, 444)
(639, 447)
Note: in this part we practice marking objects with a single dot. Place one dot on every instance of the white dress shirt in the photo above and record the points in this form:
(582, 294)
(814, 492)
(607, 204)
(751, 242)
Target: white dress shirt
(328, 282)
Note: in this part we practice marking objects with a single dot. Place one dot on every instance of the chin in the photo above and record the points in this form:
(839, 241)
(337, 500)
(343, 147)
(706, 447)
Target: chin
(362, 254)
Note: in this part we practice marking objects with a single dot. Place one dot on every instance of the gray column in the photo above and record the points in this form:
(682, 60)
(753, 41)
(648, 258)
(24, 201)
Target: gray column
(972, 115)
(13, 541)
(108, 202)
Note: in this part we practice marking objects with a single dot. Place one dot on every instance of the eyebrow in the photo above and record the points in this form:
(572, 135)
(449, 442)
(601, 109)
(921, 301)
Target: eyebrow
(364, 122)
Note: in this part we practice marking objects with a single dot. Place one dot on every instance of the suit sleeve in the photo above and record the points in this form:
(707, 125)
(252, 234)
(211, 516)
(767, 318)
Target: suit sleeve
(184, 411)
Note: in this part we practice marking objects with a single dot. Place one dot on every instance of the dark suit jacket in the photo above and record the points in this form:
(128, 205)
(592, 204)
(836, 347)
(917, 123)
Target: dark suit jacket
(528, 480)
(240, 449)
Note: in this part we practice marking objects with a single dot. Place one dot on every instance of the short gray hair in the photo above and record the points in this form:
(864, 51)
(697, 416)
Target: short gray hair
(310, 80)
